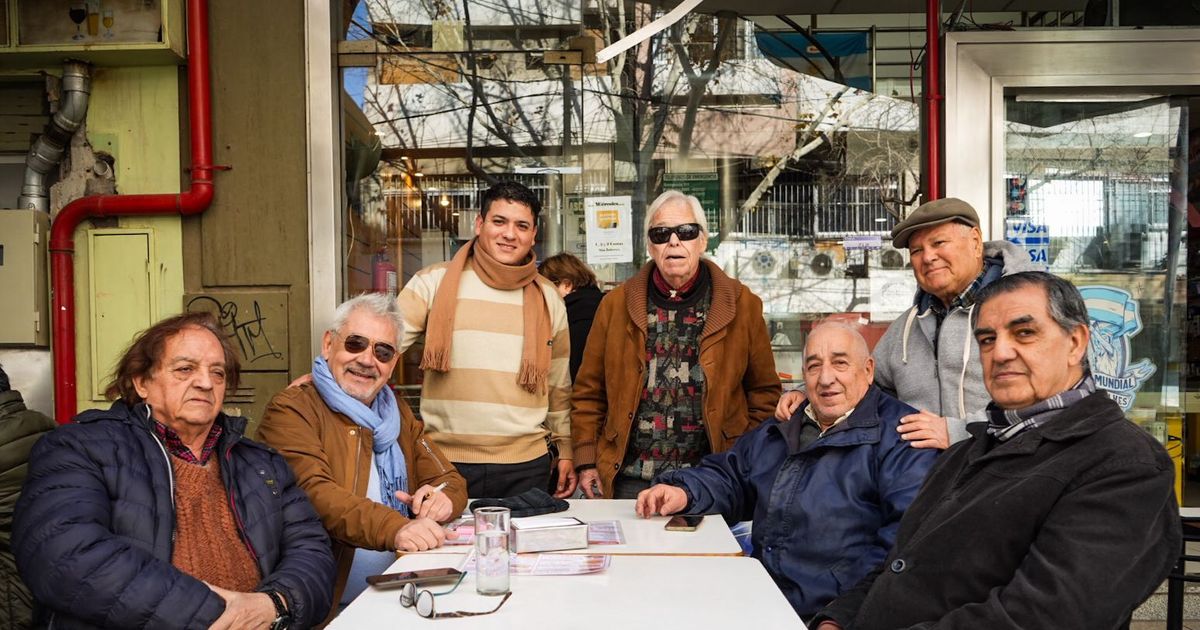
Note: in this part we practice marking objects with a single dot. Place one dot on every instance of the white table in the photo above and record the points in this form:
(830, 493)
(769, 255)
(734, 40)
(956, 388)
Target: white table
(692, 593)
(644, 536)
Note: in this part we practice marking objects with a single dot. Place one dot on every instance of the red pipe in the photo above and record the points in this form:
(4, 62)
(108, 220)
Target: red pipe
(933, 100)
(194, 201)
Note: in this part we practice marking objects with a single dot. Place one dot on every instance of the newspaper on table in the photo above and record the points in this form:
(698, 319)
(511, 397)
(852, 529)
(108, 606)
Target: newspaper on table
(547, 564)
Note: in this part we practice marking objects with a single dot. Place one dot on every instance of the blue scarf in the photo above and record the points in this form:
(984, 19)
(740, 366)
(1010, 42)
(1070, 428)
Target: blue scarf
(383, 420)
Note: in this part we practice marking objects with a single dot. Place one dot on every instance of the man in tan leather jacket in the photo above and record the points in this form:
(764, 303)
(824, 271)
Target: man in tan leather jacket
(359, 453)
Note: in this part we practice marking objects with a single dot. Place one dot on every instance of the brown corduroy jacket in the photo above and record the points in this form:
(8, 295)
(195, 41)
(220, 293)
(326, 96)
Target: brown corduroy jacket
(331, 457)
(741, 386)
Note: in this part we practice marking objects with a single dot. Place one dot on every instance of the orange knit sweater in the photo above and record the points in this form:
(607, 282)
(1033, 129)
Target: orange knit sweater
(207, 544)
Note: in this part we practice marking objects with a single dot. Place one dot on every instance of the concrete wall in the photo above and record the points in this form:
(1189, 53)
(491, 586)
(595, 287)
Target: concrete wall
(250, 249)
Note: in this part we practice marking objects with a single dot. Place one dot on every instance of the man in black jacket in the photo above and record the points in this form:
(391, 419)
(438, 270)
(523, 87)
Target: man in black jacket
(1058, 514)
(19, 429)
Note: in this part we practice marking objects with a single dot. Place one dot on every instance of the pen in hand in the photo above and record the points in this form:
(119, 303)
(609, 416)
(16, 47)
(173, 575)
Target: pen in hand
(425, 505)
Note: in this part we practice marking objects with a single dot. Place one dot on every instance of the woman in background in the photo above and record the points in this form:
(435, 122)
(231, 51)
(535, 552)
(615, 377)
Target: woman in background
(577, 286)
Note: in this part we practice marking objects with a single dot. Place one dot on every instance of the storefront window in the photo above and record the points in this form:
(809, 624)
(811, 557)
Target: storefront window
(802, 177)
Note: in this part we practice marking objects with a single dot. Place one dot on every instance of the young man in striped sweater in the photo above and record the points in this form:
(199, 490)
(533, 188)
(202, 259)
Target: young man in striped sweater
(496, 353)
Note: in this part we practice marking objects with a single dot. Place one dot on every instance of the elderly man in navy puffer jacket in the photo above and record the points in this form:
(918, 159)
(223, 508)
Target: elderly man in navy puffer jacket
(826, 490)
(158, 513)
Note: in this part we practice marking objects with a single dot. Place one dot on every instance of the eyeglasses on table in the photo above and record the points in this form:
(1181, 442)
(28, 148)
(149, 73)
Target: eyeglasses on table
(424, 601)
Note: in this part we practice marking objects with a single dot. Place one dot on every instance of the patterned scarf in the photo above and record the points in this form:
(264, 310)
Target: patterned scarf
(382, 419)
(1004, 424)
(535, 355)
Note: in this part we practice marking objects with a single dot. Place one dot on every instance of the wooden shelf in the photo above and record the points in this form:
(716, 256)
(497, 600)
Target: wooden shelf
(95, 50)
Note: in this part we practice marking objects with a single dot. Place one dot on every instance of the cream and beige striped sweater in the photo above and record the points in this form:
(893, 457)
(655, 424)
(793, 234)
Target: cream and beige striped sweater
(476, 412)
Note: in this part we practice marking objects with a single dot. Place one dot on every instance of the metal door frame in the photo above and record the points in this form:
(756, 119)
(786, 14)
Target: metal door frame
(979, 66)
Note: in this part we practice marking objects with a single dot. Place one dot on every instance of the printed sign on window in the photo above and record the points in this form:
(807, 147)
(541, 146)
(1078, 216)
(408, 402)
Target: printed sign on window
(609, 229)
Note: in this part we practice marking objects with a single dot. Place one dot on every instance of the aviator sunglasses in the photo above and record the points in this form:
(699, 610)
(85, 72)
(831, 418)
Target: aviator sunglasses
(355, 344)
(661, 234)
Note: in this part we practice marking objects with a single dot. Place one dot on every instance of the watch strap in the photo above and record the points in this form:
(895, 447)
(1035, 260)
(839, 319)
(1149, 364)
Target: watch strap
(282, 617)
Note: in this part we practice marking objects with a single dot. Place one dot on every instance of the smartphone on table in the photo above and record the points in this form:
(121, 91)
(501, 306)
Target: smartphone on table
(423, 576)
(684, 522)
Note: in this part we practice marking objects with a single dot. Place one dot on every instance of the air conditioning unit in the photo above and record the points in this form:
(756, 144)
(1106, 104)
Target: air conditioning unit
(763, 263)
(821, 264)
(812, 262)
(891, 258)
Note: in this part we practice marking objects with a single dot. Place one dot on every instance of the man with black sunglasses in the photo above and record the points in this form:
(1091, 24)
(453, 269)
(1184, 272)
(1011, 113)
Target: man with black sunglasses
(678, 363)
(378, 483)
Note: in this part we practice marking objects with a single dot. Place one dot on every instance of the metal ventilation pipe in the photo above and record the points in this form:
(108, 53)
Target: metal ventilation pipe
(48, 151)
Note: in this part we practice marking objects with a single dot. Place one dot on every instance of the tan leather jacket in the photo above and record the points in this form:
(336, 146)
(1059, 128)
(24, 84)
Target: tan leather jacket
(331, 457)
(741, 386)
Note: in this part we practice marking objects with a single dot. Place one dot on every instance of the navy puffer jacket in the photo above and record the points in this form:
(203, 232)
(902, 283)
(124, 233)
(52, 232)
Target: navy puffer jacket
(825, 514)
(94, 528)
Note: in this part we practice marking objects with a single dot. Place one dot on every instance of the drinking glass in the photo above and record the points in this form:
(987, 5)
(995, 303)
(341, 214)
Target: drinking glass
(78, 13)
(107, 20)
(491, 550)
(93, 19)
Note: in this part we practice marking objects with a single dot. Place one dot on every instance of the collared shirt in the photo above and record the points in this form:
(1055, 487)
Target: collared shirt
(993, 268)
(690, 289)
(176, 447)
(811, 430)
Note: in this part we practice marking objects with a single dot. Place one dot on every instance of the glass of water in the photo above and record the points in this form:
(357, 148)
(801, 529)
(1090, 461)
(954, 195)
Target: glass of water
(491, 550)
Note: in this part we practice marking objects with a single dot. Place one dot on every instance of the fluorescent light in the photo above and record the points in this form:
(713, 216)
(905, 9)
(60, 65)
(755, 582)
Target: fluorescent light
(646, 32)
(1069, 97)
(548, 170)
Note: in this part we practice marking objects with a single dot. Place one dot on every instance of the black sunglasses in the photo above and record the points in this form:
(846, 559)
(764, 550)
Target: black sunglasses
(662, 234)
(355, 344)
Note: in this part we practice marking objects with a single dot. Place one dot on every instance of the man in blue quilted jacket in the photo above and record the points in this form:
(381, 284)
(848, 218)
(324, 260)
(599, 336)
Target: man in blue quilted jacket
(826, 489)
(159, 513)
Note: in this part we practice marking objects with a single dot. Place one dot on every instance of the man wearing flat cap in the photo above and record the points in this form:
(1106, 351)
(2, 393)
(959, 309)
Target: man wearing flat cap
(928, 357)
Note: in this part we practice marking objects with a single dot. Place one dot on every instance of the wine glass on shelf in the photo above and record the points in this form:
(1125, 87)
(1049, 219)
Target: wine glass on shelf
(107, 20)
(78, 13)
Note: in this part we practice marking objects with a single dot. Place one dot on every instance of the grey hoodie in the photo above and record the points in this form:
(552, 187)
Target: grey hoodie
(950, 384)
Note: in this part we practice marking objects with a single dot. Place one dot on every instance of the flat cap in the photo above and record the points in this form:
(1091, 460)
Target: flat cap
(933, 213)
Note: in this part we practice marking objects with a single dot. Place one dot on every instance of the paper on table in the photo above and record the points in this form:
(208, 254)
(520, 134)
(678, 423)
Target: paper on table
(605, 533)
(465, 528)
(599, 532)
(539, 522)
(547, 564)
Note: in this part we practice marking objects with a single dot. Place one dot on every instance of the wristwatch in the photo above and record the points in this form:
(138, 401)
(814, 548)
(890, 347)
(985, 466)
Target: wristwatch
(283, 619)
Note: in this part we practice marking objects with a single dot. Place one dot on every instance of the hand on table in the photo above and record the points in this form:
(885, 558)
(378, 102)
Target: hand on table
(788, 403)
(924, 430)
(243, 610)
(661, 499)
(589, 483)
(421, 534)
(428, 503)
(566, 479)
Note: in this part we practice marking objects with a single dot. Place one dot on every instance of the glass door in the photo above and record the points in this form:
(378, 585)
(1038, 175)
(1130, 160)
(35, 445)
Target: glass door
(1100, 189)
